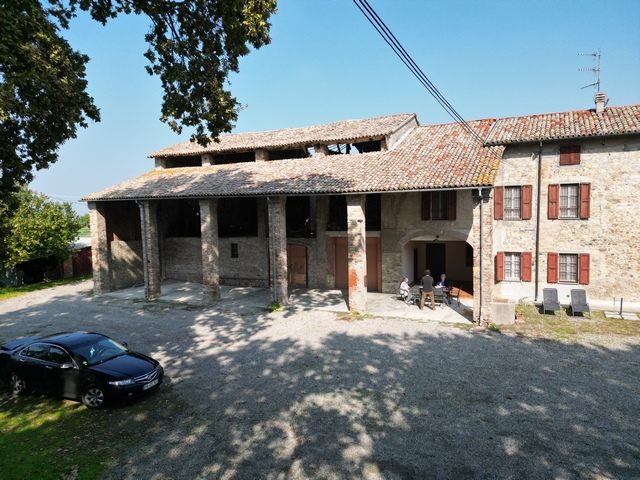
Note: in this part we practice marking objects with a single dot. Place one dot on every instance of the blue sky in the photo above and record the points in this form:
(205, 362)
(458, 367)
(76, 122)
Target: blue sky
(488, 58)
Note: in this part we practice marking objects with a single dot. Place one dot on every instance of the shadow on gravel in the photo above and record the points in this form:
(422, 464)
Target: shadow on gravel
(308, 396)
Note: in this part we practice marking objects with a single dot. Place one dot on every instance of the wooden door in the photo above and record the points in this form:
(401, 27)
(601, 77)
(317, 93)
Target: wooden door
(297, 265)
(342, 263)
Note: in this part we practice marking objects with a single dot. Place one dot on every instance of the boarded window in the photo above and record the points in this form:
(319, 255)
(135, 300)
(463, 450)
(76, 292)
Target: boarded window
(570, 155)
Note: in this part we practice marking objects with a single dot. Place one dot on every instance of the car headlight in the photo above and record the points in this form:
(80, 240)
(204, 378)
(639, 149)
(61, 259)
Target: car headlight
(122, 383)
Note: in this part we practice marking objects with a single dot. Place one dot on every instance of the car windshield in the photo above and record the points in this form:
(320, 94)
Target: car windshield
(98, 350)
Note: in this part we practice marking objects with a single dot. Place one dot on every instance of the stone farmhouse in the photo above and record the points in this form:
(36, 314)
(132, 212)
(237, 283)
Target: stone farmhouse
(506, 206)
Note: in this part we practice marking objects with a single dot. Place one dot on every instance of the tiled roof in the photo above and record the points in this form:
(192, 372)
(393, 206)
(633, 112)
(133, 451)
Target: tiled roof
(430, 157)
(566, 125)
(331, 133)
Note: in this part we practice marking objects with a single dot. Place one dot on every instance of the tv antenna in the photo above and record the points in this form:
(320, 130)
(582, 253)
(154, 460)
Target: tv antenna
(595, 70)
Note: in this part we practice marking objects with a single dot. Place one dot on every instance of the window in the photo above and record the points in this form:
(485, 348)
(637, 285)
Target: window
(439, 205)
(568, 268)
(513, 266)
(512, 203)
(57, 355)
(570, 155)
(569, 201)
(39, 351)
(234, 250)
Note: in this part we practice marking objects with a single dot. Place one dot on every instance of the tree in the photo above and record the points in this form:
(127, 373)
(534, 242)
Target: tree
(39, 227)
(193, 47)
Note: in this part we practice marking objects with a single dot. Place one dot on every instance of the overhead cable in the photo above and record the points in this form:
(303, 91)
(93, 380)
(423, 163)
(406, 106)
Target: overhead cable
(399, 50)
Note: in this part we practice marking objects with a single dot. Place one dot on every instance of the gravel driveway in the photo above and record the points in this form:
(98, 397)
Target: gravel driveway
(309, 394)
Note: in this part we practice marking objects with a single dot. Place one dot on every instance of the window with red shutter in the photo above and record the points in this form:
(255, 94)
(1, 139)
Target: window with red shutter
(552, 267)
(585, 200)
(554, 192)
(500, 266)
(527, 196)
(498, 202)
(584, 261)
(452, 205)
(570, 155)
(526, 267)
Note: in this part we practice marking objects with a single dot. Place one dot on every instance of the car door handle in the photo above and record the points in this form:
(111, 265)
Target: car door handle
(48, 367)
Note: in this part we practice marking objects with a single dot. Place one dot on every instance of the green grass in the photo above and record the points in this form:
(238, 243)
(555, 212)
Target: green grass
(564, 327)
(49, 438)
(9, 292)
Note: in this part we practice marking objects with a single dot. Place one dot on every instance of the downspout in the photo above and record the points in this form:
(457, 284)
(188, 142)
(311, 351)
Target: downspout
(273, 247)
(145, 255)
(538, 222)
(481, 257)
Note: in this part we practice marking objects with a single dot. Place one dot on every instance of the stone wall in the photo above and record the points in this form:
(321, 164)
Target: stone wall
(609, 236)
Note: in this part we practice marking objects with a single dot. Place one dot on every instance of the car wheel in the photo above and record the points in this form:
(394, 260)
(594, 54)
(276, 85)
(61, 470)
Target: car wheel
(93, 397)
(16, 384)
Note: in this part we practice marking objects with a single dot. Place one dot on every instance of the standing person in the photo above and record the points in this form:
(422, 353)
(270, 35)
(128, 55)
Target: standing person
(405, 291)
(427, 289)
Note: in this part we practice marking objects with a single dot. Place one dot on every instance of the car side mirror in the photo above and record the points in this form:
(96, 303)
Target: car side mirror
(67, 366)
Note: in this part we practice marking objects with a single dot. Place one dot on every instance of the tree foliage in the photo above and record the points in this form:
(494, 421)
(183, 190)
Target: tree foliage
(193, 47)
(39, 227)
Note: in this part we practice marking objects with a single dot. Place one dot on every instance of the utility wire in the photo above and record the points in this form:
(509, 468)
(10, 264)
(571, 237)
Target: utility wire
(399, 50)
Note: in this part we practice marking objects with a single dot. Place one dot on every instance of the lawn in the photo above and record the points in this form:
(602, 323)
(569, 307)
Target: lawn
(52, 438)
(563, 327)
(8, 292)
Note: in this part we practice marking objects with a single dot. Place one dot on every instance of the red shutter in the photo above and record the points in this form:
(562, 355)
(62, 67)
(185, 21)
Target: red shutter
(525, 274)
(570, 155)
(499, 266)
(526, 201)
(451, 205)
(426, 205)
(554, 193)
(552, 267)
(498, 203)
(585, 200)
(583, 260)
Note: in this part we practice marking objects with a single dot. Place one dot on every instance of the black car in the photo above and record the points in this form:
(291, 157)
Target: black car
(89, 367)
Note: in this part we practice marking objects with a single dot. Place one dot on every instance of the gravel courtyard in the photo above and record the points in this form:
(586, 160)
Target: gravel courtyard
(315, 394)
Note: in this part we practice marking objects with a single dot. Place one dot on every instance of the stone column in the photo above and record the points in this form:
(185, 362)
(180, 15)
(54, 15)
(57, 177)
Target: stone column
(206, 160)
(483, 267)
(99, 248)
(261, 155)
(357, 253)
(210, 251)
(150, 248)
(277, 233)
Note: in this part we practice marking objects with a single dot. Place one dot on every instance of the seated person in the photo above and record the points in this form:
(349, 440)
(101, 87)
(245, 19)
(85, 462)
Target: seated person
(405, 290)
(443, 281)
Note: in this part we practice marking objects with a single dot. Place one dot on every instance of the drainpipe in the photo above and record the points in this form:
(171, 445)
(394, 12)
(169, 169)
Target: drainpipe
(273, 246)
(538, 222)
(481, 257)
(145, 255)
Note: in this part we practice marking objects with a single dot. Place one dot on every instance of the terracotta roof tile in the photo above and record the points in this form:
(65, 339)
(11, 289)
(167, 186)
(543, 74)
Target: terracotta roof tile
(430, 157)
(566, 125)
(332, 133)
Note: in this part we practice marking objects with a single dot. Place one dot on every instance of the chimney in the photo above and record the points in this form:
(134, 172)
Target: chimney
(601, 100)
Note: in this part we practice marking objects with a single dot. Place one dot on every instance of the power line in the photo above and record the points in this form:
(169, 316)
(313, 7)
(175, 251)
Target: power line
(399, 50)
